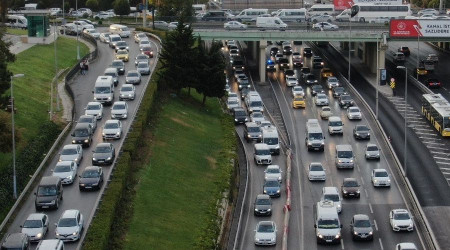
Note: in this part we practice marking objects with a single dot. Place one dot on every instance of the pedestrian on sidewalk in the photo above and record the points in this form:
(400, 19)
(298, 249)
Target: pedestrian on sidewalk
(86, 66)
(82, 67)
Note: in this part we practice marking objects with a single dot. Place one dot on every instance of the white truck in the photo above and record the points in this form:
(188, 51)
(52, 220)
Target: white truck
(264, 23)
(270, 137)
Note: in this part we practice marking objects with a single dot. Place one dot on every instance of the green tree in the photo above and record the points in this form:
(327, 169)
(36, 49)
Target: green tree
(105, 4)
(92, 4)
(433, 4)
(121, 8)
(5, 57)
(6, 132)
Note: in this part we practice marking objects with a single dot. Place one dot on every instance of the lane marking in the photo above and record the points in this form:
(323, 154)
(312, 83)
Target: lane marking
(375, 224)
(342, 244)
(362, 181)
(445, 168)
(440, 153)
(381, 243)
(446, 163)
(367, 194)
(422, 133)
(441, 158)
(370, 206)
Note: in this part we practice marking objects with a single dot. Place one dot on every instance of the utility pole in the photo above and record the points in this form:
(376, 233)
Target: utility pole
(14, 136)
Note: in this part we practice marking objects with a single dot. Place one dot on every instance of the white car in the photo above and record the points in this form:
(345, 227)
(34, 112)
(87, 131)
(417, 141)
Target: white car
(428, 11)
(103, 15)
(233, 103)
(332, 82)
(296, 55)
(232, 25)
(291, 81)
(71, 152)
(325, 112)
(325, 26)
(66, 170)
(144, 43)
(95, 109)
(321, 100)
(233, 95)
(380, 178)
(353, 113)
(133, 77)
(381, 19)
(401, 220)
(143, 68)
(127, 92)
(104, 37)
(35, 226)
(138, 37)
(266, 233)
(112, 129)
(316, 172)
(257, 117)
(141, 58)
(406, 246)
(173, 26)
(69, 226)
(372, 151)
(119, 110)
(273, 172)
(298, 91)
(94, 33)
(428, 16)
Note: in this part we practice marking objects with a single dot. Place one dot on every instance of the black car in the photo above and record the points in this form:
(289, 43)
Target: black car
(338, 91)
(104, 154)
(91, 178)
(297, 42)
(317, 62)
(310, 79)
(82, 134)
(262, 205)
(361, 132)
(287, 50)
(121, 45)
(273, 51)
(317, 89)
(119, 65)
(361, 227)
(432, 83)
(88, 119)
(215, 16)
(283, 63)
(304, 70)
(252, 131)
(240, 116)
(350, 188)
(289, 72)
(307, 52)
(345, 101)
(405, 50)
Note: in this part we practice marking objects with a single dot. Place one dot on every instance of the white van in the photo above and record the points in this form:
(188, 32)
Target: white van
(326, 223)
(249, 15)
(270, 137)
(254, 102)
(121, 30)
(16, 21)
(317, 9)
(292, 15)
(104, 90)
(344, 156)
(270, 23)
(335, 125)
(314, 138)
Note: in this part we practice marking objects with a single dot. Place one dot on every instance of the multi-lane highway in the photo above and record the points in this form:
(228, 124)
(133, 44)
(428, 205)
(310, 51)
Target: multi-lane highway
(82, 87)
(374, 202)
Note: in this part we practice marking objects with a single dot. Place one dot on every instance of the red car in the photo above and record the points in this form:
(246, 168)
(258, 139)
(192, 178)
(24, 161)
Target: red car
(147, 51)
(433, 83)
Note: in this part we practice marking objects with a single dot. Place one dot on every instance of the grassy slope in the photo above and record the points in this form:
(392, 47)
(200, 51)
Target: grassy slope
(173, 192)
(32, 92)
(17, 32)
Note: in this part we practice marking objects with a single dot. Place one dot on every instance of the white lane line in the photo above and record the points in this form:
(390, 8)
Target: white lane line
(441, 158)
(381, 243)
(437, 143)
(370, 206)
(367, 194)
(438, 148)
(375, 224)
(440, 162)
(445, 171)
(425, 129)
(362, 181)
(440, 153)
(445, 168)
(342, 244)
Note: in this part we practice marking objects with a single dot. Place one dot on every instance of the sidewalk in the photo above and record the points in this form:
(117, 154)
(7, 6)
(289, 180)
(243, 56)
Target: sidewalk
(363, 69)
(17, 45)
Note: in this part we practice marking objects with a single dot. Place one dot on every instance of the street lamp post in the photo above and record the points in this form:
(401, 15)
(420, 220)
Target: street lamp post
(14, 135)
(349, 52)
(78, 44)
(406, 102)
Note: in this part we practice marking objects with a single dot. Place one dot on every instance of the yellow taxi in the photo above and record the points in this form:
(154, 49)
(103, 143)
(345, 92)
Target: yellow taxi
(326, 72)
(122, 54)
(421, 71)
(298, 102)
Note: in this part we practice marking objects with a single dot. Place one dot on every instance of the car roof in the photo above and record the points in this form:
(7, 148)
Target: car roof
(71, 145)
(349, 179)
(239, 109)
(119, 103)
(400, 210)
(12, 240)
(86, 116)
(344, 147)
(330, 190)
(273, 166)
(81, 126)
(263, 196)
(49, 180)
(70, 213)
(93, 103)
(372, 145)
(360, 217)
(112, 121)
(103, 144)
(334, 118)
(380, 170)
(261, 146)
(35, 216)
(251, 124)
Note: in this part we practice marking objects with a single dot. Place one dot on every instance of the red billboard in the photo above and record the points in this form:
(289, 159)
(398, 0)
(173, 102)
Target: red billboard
(419, 28)
(342, 4)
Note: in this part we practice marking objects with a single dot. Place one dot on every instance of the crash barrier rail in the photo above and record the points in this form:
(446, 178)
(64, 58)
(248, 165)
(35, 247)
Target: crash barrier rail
(430, 239)
(287, 206)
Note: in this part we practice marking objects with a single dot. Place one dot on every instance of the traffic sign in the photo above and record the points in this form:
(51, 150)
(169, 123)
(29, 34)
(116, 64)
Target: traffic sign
(392, 79)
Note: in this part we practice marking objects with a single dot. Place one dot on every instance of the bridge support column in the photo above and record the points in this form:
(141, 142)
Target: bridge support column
(344, 45)
(371, 56)
(262, 60)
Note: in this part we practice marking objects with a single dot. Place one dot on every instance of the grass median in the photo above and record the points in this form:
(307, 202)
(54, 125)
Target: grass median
(175, 190)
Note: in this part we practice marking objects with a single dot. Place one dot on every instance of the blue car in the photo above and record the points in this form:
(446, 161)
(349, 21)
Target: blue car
(272, 187)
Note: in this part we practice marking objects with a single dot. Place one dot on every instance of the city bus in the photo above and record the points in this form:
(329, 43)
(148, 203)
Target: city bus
(437, 110)
(368, 12)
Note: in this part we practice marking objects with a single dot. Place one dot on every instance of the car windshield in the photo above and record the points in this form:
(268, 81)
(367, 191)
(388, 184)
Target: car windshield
(272, 183)
(372, 148)
(67, 222)
(345, 97)
(256, 104)
(254, 129)
(266, 229)
(362, 129)
(381, 174)
(331, 197)
(401, 216)
(81, 132)
(316, 168)
(122, 52)
(326, 109)
(345, 154)
(310, 77)
(233, 102)
(353, 110)
(362, 223)
(350, 184)
(118, 107)
(298, 99)
(93, 107)
(117, 64)
(32, 224)
(315, 136)
(90, 174)
(321, 97)
(142, 57)
(110, 74)
(328, 223)
(102, 90)
(271, 141)
(298, 89)
(273, 170)
(263, 152)
(121, 43)
(263, 202)
(292, 78)
(257, 115)
(69, 151)
(62, 168)
(126, 89)
(339, 89)
(111, 125)
(114, 39)
(142, 65)
(47, 191)
(103, 149)
(240, 113)
(336, 123)
(145, 42)
(146, 48)
(332, 79)
(317, 87)
(305, 70)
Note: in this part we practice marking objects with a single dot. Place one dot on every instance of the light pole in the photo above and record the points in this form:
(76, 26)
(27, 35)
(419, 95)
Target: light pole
(78, 44)
(14, 135)
(406, 102)
(350, 51)
(418, 57)
(64, 20)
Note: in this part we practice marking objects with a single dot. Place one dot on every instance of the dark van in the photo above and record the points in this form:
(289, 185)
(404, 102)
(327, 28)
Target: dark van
(15, 241)
(49, 193)
(82, 134)
(215, 16)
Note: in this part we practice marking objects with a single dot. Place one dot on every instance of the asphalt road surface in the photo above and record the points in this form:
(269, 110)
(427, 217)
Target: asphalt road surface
(82, 87)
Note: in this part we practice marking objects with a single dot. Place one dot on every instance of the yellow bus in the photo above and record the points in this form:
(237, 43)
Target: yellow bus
(437, 110)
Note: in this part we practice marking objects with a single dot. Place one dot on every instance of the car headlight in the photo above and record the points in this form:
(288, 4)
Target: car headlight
(371, 232)
(86, 141)
(309, 143)
(39, 235)
(410, 224)
(278, 191)
(69, 177)
(73, 141)
(320, 236)
(52, 202)
(94, 159)
(338, 236)
(357, 191)
(249, 136)
(375, 180)
(118, 133)
(268, 210)
(259, 136)
(339, 205)
(355, 233)
(256, 209)
(389, 180)
(99, 114)
(75, 233)
(345, 191)
(235, 120)
(273, 239)
(265, 191)
(351, 161)
(57, 234)
(109, 98)
(103, 134)
(94, 184)
(82, 184)
(256, 239)
(108, 159)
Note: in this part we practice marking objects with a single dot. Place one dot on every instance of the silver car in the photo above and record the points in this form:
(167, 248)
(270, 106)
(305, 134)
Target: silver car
(143, 68)
(321, 100)
(266, 233)
(127, 92)
(380, 178)
(234, 25)
(88, 119)
(66, 170)
(372, 151)
(35, 226)
(332, 82)
(273, 172)
(161, 25)
(112, 129)
(71, 152)
(316, 172)
(141, 58)
(95, 109)
(119, 110)
(133, 77)
(104, 37)
(353, 113)
(69, 226)
(144, 43)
